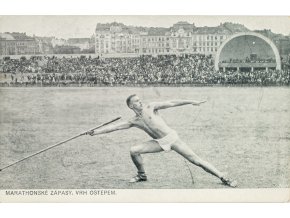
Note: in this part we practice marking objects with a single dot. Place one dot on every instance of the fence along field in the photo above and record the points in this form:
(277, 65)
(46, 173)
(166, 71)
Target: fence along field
(244, 131)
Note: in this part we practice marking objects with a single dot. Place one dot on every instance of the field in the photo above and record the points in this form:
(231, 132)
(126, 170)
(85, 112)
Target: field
(243, 131)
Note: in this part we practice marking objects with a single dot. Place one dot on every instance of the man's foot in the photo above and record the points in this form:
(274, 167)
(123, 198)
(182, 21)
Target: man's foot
(141, 177)
(229, 182)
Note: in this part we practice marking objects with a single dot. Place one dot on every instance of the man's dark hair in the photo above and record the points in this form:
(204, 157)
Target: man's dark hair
(128, 100)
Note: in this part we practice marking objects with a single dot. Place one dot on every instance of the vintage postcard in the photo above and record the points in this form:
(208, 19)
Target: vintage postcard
(144, 109)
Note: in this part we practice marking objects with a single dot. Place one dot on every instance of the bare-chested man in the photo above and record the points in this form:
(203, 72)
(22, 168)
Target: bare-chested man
(164, 138)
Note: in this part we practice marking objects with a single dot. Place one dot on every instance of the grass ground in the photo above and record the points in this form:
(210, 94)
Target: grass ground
(244, 131)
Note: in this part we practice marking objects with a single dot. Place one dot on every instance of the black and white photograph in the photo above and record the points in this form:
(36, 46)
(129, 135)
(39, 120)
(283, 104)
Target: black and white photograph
(94, 107)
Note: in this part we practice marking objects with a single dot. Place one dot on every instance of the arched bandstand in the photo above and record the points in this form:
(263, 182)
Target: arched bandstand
(252, 65)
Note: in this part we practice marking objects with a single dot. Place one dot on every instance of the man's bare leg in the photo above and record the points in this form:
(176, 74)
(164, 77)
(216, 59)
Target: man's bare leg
(182, 148)
(136, 151)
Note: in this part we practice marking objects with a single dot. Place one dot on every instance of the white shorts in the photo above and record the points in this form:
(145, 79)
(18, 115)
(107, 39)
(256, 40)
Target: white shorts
(167, 141)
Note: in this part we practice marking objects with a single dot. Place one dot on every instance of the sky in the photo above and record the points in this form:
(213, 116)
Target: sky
(83, 26)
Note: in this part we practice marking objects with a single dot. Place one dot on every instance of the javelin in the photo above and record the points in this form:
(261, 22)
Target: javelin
(59, 143)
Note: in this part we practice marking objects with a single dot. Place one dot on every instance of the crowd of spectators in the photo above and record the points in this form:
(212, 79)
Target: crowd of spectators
(194, 69)
(249, 60)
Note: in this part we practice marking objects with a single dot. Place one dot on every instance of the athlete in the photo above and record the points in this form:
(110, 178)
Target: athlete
(164, 138)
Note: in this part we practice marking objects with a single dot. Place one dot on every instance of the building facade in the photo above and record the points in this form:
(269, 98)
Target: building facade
(154, 41)
(181, 38)
(116, 38)
(207, 40)
(17, 44)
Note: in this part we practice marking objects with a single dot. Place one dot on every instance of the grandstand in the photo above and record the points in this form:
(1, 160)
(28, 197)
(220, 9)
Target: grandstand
(161, 70)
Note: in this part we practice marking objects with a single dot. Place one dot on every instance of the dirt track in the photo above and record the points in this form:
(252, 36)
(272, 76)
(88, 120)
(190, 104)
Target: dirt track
(244, 131)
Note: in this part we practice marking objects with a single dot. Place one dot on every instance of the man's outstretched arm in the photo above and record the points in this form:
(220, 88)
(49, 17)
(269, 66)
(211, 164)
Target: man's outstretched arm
(175, 103)
(111, 128)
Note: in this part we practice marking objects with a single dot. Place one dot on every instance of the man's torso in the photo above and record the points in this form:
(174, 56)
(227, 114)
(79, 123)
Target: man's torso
(151, 122)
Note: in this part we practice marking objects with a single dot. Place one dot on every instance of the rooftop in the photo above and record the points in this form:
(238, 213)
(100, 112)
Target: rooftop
(223, 28)
(15, 36)
(157, 31)
(5, 36)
